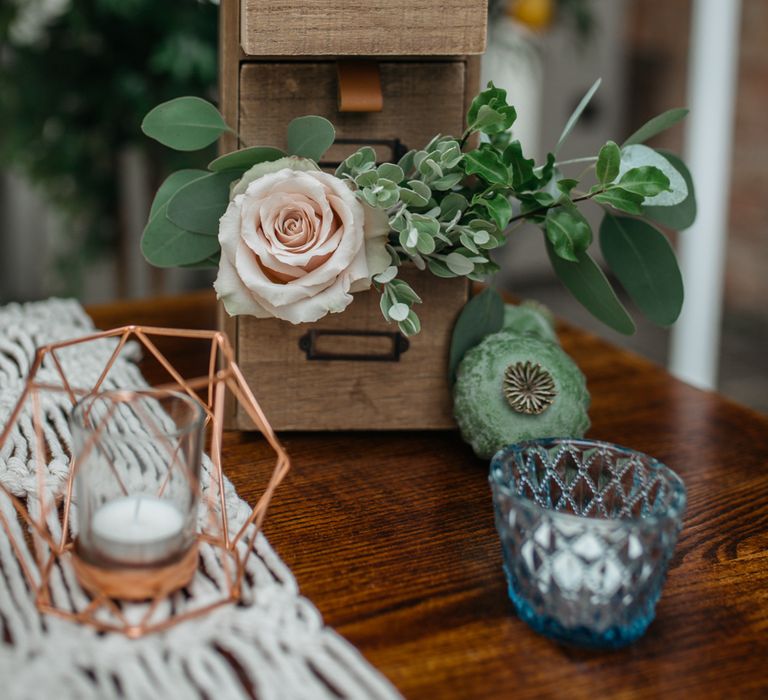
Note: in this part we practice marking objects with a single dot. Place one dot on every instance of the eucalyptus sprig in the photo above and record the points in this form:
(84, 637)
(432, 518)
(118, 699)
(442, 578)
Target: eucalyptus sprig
(449, 205)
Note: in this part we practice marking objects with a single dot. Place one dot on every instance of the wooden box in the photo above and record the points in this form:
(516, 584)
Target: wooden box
(361, 27)
(351, 370)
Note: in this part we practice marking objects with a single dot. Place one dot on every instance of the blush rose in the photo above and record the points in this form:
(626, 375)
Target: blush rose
(296, 243)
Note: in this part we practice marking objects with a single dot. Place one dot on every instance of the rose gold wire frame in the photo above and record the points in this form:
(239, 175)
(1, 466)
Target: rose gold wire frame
(223, 374)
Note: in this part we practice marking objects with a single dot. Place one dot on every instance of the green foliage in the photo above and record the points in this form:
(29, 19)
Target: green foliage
(185, 124)
(245, 158)
(587, 282)
(448, 208)
(568, 232)
(643, 260)
(568, 128)
(679, 216)
(655, 126)
(310, 137)
(198, 205)
(74, 94)
(483, 315)
(608, 161)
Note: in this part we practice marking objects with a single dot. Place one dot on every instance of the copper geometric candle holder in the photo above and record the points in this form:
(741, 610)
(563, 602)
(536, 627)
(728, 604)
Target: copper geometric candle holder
(43, 523)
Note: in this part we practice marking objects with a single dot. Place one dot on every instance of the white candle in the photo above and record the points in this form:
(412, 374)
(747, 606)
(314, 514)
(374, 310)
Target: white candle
(138, 530)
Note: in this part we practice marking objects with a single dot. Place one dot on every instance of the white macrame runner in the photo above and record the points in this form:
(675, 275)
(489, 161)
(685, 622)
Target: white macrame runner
(276, 644)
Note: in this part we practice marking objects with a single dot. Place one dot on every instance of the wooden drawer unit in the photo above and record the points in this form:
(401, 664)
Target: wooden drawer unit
(363, 27)
(352, 370)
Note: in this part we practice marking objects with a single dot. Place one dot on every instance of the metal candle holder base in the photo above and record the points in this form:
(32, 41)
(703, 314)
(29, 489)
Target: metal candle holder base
(54, 547)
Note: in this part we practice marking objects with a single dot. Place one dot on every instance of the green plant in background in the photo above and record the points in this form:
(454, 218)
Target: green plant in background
(449, 205)
(76, 76)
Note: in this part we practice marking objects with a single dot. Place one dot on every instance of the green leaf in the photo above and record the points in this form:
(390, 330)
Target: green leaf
(522, 168)
(679, 216)
(171, 185)
(440, 269)
(566, 185)
(647, 181)
(412, 198)
(568, 128)
(654, 126)
(452, 204)
(245, 158)
(568, 232)
(199, 205)
(586, 281)
(643, 260)
(608, 161)
(206, 264)
(489, 111)
(485, 162)
(184, 124)
(458, 264)
(447, 181)
(164, 244)
(310, 137)
(411, 325)
(404, 292)
(390, 171)
(482, 315)
(637, 155)
(621, 199)
(499, 209)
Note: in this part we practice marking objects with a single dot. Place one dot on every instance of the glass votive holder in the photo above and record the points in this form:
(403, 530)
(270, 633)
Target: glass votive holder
(137, 458)
(587, 531)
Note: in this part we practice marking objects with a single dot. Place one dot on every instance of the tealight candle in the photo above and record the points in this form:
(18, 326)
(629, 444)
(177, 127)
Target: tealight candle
(138, 530)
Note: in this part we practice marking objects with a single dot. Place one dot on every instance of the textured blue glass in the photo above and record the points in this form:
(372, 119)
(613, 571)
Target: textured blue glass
(587, 531)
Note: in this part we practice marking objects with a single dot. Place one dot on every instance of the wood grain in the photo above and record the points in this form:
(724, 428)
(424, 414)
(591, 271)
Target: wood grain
(391, 535)
(359, 27)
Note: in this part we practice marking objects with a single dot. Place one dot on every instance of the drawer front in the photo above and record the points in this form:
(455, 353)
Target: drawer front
(305, 378)
(363, 28)
(420, 100)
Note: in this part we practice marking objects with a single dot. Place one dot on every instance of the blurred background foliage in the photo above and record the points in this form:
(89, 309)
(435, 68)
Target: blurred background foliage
(76, 78)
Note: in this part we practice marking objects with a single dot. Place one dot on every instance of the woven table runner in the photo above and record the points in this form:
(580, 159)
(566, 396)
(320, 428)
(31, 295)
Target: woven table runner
(274, 645)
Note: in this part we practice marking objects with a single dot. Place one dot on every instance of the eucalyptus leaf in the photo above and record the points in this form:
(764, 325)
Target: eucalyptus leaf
(164, 244)
(568, 128)
(446, 182)
(171, 185)
(245, 158)
(184, 124)
(643, 260)
(679, 216)
(654, 126)
(482, 315)
(589, 285)
(310, 136)
(621, 199)
(637, 155)
(568, 232)
(207, 264)
(386, 276)
(440, 269)
(647, 181)
(199, 205)
(608, 161)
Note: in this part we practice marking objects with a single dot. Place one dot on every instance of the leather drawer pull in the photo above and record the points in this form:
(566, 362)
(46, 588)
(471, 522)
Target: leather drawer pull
(359, 86)
(354, 346)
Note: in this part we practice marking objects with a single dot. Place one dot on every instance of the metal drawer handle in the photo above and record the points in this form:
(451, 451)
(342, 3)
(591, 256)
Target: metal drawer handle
(312, 344)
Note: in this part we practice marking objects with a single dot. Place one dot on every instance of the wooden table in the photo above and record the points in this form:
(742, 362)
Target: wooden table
(391, 535)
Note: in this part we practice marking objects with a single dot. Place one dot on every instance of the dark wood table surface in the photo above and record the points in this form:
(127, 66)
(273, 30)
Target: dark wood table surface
(391, 535)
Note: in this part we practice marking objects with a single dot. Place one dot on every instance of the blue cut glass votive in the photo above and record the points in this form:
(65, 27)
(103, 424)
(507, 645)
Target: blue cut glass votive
(587, 531)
